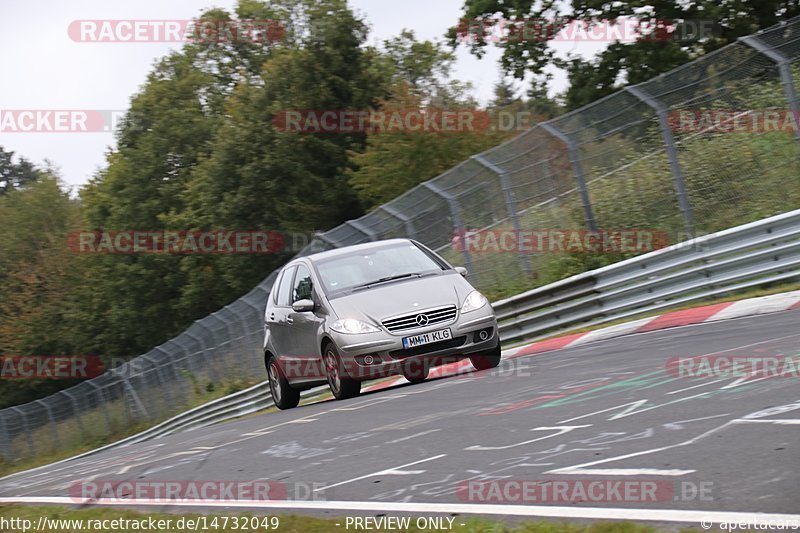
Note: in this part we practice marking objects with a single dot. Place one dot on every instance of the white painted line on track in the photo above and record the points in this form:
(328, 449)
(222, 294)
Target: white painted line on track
(394, 471)
(401, 439)
(626, 472)
(776, 421)
(538, 511)
(695, 386)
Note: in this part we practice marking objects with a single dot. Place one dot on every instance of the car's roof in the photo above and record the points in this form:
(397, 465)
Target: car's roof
(328, 254)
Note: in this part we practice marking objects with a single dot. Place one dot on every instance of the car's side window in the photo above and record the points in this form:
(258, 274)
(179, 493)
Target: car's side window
(302, 284)
(285, 288)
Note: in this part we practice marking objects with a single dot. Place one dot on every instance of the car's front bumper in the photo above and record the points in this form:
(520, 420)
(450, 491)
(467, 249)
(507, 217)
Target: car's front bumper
(375, 355)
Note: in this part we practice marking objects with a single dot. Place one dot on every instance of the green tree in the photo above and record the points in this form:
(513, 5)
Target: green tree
(621, 62)
(15, 175)
(419, 79)
(37, 274)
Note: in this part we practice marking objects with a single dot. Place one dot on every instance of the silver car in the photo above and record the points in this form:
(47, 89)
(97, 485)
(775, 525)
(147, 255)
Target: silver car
(368, 311)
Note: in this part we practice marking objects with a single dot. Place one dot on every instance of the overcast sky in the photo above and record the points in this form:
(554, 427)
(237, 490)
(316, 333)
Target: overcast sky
(45, 69)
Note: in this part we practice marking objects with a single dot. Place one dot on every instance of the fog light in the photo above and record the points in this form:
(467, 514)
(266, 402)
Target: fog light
(483, 335)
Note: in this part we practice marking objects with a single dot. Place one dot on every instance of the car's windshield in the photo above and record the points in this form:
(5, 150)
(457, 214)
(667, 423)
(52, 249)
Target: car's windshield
(366, 268)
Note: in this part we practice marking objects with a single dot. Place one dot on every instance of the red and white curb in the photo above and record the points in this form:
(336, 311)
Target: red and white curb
(697, 315)
(709, 313)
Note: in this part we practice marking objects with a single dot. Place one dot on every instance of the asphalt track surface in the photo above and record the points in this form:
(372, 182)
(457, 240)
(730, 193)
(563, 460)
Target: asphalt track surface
(605, 411)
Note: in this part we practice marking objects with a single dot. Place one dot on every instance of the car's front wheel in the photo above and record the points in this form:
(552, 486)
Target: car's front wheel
(342, 386)
(284, 396)
(485, 361)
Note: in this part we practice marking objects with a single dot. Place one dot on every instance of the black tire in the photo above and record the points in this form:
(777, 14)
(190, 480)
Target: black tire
(485, 361)
(342, 386)
(283, 394)
(416, 372)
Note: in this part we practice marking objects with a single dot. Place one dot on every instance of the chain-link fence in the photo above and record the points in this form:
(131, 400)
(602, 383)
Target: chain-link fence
(628, 161)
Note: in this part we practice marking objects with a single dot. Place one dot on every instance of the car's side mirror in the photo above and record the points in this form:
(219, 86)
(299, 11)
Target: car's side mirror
(462, 271)
(303, 306)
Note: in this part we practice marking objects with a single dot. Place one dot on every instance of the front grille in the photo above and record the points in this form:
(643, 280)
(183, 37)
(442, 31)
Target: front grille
(440, 315)
(426, 348)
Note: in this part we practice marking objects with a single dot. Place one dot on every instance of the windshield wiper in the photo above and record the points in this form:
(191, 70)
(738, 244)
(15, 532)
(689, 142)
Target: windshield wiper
(387, 278)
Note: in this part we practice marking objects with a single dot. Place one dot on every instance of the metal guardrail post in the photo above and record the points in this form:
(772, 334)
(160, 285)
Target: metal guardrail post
(511, 204)
(26, 430)
(455, 213)
(411, 231)
(785, 70)
(672, 154)
(580, 178)
(361, 228)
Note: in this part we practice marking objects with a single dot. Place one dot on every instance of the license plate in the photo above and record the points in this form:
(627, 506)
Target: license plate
(427, 338)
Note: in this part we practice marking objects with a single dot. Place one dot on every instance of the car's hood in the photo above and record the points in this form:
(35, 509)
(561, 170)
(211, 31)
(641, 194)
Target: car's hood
(402, 296)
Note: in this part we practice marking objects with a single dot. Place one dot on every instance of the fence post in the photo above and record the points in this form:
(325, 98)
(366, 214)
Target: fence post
(672, 154)
(785, 70)
(228, 326)
(258, 334)
(580, 178)
(324, 238)
(168, 357)
(5, 437)
(133, 399)
(103, 404)
(455, 212)
(25, 429)
(163, 384)
(207, 357)
(411, 231)
(52, 420)
(361, 228)
(75, 413)
(511, 205)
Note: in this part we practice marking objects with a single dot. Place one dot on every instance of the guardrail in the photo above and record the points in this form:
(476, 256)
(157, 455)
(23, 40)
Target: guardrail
(753, 254)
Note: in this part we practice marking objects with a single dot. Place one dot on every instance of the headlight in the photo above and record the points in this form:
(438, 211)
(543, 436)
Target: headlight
(353, 326)
(475, 300)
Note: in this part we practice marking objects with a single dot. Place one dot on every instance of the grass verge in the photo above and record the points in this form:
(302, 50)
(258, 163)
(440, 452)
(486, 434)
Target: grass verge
(77, 435)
